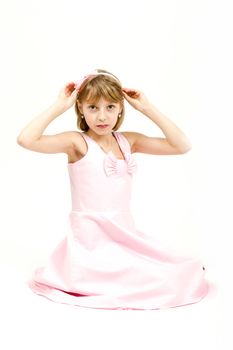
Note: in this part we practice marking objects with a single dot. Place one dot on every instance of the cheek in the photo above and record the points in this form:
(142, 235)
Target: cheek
(88, 113)
(89, 119)
(114, 116)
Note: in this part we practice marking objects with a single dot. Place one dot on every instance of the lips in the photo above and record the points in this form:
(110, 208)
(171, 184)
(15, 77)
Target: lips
(102, 126)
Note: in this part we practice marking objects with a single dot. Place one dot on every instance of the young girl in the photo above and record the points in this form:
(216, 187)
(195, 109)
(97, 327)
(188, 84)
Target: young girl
(105, 261)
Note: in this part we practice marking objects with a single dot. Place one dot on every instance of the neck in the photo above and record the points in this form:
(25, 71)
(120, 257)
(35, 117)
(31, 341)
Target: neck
(103, 140)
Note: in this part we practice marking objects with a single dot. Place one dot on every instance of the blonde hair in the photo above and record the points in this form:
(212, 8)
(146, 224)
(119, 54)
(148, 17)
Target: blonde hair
(94, 87)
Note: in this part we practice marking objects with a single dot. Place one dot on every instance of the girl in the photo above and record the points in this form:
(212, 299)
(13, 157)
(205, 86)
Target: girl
(105, 261)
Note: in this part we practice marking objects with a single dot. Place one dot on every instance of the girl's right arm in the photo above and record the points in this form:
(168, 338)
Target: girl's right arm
(31, 137)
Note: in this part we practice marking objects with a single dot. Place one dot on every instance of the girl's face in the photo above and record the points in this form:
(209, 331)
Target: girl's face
(101, 117)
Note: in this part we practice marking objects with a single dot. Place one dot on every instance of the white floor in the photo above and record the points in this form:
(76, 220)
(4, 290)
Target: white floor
(32, 322)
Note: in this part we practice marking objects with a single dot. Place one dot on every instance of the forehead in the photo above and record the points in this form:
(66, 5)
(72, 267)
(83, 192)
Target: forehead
(100, 101)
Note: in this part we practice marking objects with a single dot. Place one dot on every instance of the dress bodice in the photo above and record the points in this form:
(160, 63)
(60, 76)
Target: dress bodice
(100, 181)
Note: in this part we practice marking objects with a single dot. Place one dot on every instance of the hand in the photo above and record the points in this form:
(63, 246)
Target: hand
(136, 98)
(68, 95)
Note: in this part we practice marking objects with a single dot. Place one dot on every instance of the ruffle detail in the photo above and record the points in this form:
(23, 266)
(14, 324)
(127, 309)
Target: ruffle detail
(112, 165)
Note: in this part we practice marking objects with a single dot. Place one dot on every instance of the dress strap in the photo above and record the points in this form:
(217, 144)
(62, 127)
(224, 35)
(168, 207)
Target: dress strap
(86, 137)
(89, 141)
(122, 140)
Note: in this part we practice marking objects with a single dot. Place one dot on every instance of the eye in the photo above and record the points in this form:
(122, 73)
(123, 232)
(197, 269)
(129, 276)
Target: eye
(111, 107)
(92, 107)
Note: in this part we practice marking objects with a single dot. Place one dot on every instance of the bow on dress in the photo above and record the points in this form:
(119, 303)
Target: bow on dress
(112, 165)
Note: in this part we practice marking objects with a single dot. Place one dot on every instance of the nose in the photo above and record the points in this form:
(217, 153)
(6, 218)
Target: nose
(101, 115)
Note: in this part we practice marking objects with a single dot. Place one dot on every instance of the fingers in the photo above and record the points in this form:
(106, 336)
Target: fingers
(69, 88)
(131, 92)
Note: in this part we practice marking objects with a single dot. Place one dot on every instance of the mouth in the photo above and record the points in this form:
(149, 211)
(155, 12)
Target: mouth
(102, 126)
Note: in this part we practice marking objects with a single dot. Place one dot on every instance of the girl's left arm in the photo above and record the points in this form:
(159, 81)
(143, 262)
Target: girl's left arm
(175, 141)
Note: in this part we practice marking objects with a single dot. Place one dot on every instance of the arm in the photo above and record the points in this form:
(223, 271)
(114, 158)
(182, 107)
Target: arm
(175, 141)
(31, 136)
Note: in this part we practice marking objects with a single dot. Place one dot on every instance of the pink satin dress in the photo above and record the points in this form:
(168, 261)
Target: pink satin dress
(104, 261)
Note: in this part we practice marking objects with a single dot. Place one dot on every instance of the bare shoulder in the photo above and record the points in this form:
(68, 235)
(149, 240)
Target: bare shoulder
(68, 141)
(76, 137)
(73, 139)
(132, 137)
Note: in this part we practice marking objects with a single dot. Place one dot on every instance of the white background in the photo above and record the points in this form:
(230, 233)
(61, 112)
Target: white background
(180, 54)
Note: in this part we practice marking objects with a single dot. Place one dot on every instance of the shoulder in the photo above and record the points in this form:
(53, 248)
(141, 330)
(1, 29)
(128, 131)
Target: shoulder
(78, 144)
(74, 138)
(74, 135)
(132, 138)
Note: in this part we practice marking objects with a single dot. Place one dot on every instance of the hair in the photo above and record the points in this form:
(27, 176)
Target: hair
(93, 88)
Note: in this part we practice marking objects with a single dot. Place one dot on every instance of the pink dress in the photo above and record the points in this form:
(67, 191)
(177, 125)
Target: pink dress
(104, 261)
